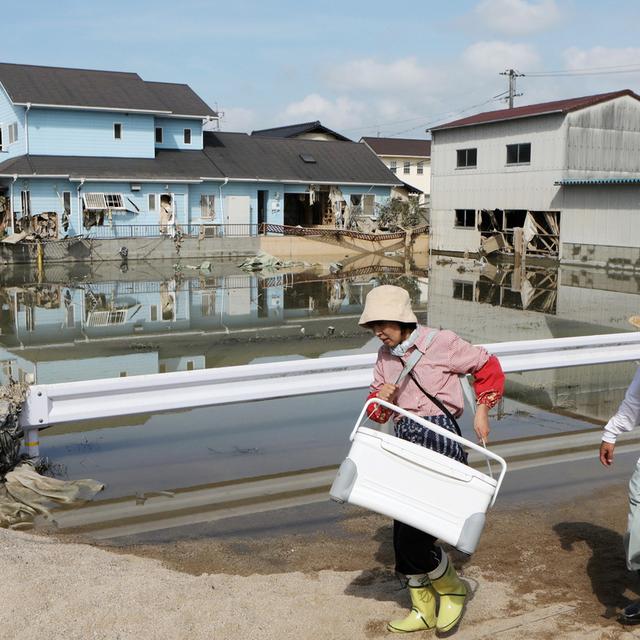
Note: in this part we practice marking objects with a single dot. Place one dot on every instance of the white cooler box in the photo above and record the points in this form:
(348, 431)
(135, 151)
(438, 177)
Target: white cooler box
(415, 485)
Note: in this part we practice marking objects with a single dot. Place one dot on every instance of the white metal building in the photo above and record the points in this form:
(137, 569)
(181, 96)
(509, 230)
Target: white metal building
(569, 170)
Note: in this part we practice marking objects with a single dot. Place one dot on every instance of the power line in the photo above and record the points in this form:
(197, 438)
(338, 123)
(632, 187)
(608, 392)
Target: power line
(592, 71)
(449, 114)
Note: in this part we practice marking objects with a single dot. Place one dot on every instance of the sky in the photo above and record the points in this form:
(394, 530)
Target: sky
(361, 67)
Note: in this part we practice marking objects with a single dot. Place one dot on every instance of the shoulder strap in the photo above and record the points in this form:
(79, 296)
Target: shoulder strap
(438, 404)
(413, 359)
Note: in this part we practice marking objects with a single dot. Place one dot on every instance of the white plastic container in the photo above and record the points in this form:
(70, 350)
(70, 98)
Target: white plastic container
(415, 485)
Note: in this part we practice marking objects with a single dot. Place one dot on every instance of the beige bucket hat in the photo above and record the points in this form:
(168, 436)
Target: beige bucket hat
(635, 321)
(387, 302)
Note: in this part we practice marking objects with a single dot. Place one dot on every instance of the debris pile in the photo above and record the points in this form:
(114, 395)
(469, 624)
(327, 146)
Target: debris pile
(25, 493)
(266, 262)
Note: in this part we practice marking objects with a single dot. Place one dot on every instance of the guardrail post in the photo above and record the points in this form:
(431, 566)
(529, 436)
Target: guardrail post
(32, 442)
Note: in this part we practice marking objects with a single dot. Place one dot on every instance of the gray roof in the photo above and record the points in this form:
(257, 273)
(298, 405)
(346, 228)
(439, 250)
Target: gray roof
(225, 155)
(293, 130)
(239, 155)
(58, 86)
(180, 165)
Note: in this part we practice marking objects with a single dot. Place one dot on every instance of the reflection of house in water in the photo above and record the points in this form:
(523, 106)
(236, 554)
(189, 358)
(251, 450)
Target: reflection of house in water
(55, 333)
(499, 305)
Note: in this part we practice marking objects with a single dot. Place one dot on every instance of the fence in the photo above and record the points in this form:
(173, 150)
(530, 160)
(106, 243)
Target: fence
(106, 232)
(51, 404)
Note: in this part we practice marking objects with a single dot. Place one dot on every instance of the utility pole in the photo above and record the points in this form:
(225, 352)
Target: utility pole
(512, 74)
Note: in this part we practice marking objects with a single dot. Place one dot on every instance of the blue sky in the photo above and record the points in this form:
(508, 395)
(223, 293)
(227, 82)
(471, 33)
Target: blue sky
(361, 67)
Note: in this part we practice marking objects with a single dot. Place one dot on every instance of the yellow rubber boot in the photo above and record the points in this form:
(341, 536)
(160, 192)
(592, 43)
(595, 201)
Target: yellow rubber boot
(423, 612)
(453, 593)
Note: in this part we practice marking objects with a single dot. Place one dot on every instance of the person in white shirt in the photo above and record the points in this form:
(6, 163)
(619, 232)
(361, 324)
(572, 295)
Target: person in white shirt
(626, 418)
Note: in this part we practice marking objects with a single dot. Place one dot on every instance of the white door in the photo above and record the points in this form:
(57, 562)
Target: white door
(237, 210)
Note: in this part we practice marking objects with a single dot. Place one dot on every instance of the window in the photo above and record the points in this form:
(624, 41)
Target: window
(102, 201)
(363, 205)
(420, 167)
(466, 218)
(153, 313)
(406, 168)
(152, 202)
(190, 365)
(519, 153)
(462, 290)
(187, 136)
(158, 135)
(1, 147)
(393, 166)
(66, 203)
(467, 157)
(13, 132)
(207, 206)
(117, 131)
(25, 199)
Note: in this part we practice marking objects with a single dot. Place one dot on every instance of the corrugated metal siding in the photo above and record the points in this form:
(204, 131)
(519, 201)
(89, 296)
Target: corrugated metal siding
(492, 184)
(56, 132)
(604, 139)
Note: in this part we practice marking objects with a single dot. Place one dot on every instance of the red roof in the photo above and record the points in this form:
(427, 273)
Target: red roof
(543, 108)
(399, 146)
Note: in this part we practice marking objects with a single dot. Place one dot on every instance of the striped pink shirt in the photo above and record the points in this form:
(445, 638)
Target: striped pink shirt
(445, 357)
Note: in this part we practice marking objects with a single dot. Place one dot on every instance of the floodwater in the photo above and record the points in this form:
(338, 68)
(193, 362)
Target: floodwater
(111, 320)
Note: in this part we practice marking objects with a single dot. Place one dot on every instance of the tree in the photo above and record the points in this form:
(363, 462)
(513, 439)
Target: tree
(397, 214)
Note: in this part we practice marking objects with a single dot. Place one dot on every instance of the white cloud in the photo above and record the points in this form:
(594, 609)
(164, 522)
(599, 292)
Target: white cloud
(368, 74)
(517, 17)
(494, 57)
(575, 58)
(338, 113)
(238, 119)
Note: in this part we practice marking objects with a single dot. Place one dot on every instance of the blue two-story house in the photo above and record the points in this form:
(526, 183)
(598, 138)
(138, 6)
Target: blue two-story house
(103, 153)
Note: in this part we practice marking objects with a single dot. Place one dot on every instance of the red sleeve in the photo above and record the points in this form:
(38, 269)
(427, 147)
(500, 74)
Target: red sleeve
(489, 382)
(376, 412)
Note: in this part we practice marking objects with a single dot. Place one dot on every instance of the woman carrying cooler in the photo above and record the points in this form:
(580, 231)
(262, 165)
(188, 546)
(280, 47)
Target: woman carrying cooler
(437, 593)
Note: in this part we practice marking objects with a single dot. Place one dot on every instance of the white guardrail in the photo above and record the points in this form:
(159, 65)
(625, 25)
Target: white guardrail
(50, 404)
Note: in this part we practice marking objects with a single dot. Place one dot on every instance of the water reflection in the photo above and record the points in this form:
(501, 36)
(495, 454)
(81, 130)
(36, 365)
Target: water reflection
(163, 317)
(188, 319)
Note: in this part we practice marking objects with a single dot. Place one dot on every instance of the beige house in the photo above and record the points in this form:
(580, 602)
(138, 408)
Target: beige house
(408, 158)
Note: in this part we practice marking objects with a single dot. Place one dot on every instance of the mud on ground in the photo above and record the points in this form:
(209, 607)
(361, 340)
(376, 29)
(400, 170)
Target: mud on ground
(537, 574)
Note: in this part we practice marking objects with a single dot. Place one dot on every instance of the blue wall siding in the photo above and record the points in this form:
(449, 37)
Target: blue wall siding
(9, 114)
(173, 133)
(59, 132)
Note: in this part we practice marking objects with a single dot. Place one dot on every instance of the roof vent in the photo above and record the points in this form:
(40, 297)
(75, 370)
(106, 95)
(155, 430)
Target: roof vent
(307, 157)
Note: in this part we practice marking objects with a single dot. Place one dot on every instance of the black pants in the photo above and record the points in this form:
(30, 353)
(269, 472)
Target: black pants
(416, 552)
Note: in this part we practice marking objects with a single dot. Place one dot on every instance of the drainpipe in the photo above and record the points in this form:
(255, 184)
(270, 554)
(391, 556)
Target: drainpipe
(26, 127)
(13, 220)
(226, 180)
(78, 232)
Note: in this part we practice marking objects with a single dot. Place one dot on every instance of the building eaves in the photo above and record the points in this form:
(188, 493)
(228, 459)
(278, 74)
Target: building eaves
(292, 130)
(407, 147)
(540, 109)
(167, 165)
(579, 182)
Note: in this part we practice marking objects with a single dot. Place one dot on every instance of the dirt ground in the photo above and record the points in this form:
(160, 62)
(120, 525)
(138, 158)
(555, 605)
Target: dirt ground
(556, 573)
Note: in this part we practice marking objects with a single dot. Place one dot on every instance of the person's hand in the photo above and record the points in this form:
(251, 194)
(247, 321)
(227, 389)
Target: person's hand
(606, 453)
(481, 422)
(387, 392)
